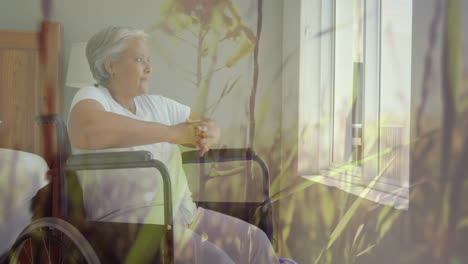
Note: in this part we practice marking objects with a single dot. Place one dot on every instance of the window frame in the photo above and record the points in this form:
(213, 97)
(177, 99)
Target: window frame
(315, 132)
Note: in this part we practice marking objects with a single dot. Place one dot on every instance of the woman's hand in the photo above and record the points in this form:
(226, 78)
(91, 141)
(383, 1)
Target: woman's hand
(185, 134)
(207, 133)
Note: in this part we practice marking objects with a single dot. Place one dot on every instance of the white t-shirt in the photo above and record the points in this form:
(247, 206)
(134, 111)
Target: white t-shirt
(135, 195)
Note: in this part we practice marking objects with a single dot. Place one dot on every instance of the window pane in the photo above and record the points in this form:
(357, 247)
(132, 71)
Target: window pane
(347, 77)
(395, 87)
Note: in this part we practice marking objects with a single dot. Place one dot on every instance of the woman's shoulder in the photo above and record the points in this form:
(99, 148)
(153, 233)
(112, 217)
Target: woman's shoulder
(92, 90)
(98, 94)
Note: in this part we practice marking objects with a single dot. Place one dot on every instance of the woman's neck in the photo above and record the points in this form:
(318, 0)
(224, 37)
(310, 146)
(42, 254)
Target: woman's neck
(126, 102)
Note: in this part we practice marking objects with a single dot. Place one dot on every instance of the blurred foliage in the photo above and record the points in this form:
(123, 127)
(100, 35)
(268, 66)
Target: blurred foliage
(208, 23)
(211, 17)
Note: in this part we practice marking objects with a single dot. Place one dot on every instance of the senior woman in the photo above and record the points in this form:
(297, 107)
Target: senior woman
(120, 115)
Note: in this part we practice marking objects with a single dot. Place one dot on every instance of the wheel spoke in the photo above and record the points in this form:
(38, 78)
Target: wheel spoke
(46, 250)
(30, 256)
(31, 250)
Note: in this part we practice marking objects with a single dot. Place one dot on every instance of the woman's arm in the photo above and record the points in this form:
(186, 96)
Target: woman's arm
(91, 127)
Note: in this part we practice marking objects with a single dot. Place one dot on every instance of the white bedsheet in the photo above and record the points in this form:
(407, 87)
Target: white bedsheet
(22, 174)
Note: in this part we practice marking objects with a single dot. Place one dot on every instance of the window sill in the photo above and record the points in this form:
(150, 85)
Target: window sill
(380, 192)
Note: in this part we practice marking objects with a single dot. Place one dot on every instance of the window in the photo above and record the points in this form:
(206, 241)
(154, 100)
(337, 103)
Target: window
(363, 127)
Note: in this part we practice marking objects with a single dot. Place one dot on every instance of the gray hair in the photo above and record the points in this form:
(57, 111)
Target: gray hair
(108, 43)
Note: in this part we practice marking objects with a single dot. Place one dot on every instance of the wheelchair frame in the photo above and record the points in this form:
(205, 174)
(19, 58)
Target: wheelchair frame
(132, 159)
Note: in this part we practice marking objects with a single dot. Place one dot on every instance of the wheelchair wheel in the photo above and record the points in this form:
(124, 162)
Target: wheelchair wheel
(52, 240)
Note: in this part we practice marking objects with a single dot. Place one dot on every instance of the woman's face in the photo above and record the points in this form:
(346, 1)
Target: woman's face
(130, 73)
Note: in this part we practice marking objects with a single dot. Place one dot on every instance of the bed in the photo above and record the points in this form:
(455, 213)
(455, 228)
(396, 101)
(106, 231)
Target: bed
(26, 173)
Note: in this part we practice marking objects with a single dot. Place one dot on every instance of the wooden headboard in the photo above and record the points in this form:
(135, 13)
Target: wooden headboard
(29, 86)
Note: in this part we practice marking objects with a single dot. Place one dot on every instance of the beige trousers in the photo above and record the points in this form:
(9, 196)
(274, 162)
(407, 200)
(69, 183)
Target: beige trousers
(218, 238)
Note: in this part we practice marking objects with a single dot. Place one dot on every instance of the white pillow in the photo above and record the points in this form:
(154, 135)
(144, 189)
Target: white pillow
(22, 174)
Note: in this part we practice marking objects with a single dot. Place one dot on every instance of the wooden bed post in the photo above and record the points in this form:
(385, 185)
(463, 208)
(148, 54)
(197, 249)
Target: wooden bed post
(28, 87)
(31, 85)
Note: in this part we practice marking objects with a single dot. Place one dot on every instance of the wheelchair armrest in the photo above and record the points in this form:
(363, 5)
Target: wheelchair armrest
(109, 160)
(219, 155)
(125, 160)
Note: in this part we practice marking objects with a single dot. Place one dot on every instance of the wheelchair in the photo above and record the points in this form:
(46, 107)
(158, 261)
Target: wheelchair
(60, 233)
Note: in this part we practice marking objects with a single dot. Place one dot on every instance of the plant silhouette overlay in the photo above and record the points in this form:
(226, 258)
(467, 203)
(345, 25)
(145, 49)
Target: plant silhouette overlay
(205, 25)
(346, 229)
